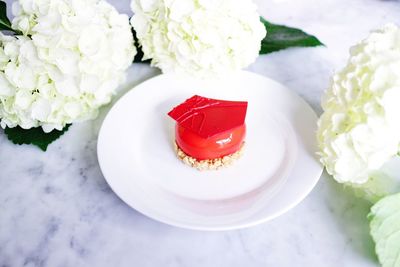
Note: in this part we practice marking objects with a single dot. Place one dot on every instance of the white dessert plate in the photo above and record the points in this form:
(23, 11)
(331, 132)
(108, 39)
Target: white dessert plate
(278, 169)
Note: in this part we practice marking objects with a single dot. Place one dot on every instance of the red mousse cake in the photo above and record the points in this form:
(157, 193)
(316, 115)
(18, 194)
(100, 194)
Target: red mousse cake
(209, 133)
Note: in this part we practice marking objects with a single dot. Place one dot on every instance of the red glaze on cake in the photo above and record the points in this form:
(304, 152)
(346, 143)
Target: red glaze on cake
(208, 129)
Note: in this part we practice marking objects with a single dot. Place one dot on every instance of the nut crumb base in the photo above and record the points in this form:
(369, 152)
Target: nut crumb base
(208, 164)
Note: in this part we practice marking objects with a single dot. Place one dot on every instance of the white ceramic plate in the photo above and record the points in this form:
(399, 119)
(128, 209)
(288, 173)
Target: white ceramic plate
(278, 169)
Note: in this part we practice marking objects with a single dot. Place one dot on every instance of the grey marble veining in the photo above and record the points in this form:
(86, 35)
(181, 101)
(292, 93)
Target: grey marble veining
(57, 210)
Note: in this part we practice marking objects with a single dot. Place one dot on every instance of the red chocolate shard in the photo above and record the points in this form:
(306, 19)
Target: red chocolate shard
(208, 117)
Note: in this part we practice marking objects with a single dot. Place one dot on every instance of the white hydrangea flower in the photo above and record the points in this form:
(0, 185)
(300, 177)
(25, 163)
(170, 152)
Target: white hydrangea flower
(199, 37)
(70, 62)
(359, 130)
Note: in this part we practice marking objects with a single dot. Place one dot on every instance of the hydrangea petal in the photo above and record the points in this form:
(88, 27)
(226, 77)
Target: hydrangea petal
(199, 38)
(44, 74)
(359, 131)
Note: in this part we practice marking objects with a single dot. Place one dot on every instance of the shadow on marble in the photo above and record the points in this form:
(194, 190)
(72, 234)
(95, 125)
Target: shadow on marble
(351, 213)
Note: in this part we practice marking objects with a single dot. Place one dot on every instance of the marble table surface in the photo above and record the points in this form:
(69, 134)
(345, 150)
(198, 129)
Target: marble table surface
(57, 210)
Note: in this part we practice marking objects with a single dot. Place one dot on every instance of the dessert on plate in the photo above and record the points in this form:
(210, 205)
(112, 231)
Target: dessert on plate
(209, 133)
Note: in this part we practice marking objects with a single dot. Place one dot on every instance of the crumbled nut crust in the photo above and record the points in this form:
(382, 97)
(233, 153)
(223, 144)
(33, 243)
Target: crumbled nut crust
(208, 164)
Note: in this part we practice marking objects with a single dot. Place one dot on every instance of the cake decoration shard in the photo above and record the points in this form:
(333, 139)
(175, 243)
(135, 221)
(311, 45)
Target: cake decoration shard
(207, 117)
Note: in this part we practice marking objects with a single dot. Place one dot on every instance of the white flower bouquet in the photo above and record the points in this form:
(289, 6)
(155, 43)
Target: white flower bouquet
(68, 57)
(68, 62)
(359, 132)
(202, 38)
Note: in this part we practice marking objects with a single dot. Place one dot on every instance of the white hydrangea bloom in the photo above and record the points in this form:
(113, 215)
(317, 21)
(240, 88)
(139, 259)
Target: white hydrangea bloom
(359, 130)
(70, 63)
(199, 37)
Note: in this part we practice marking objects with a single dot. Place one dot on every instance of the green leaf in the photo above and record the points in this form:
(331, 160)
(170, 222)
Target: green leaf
(280, 37)
(34, 136)
(140, 54)
(385, 230)
(5, 23)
